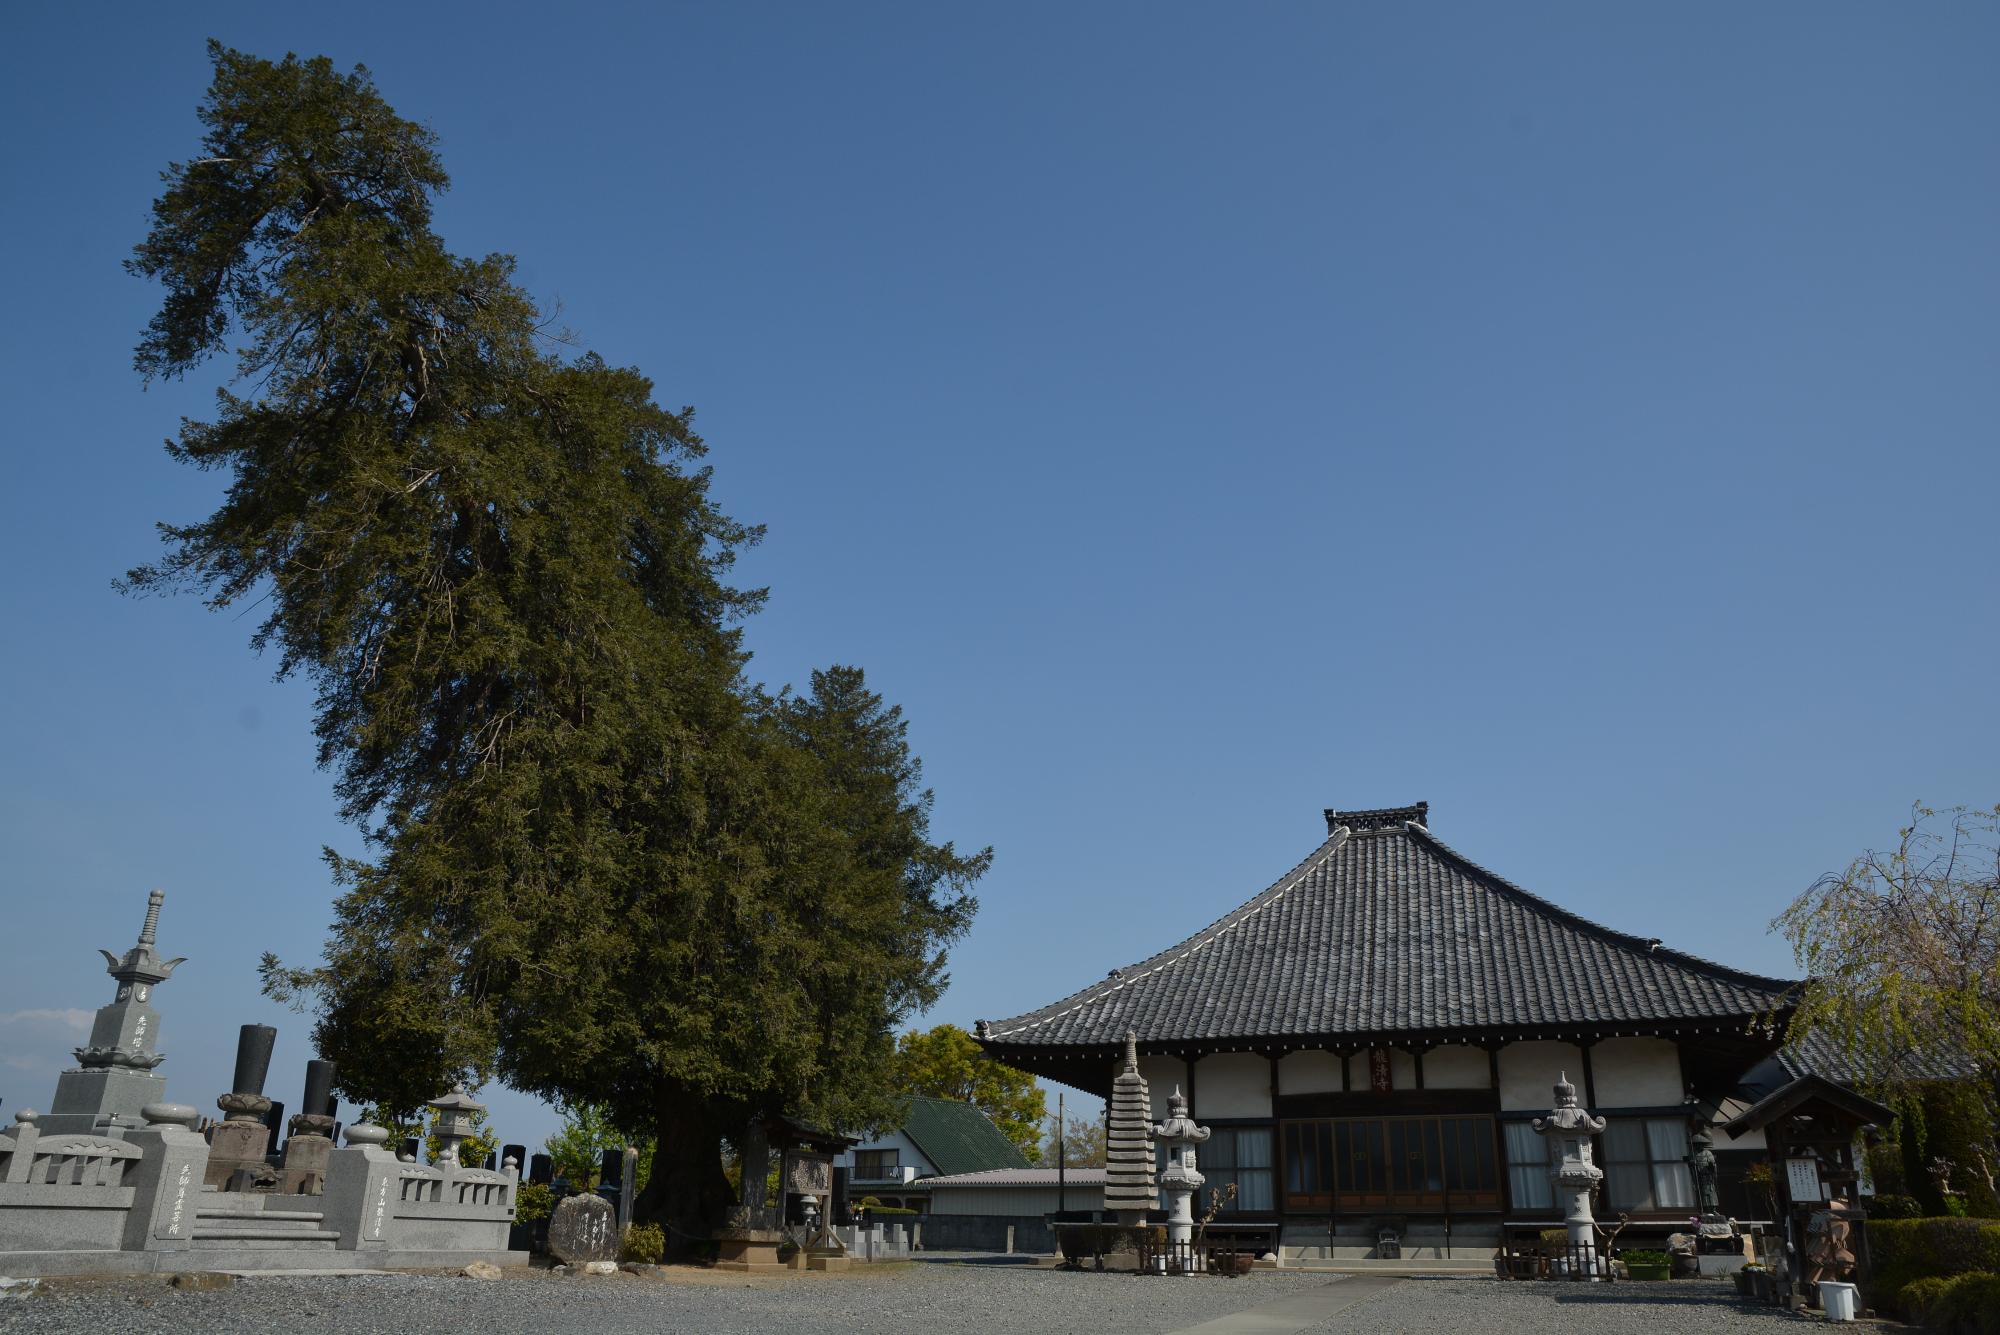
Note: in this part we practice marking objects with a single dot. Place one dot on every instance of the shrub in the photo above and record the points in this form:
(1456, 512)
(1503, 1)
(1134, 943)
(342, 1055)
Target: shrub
(644, 1243)
(1918, 1296)
(533, 1201)
(1960, 1245)
(1914, 1248)
(1643, 1256)
(1966, 1305)
(1895, 1206)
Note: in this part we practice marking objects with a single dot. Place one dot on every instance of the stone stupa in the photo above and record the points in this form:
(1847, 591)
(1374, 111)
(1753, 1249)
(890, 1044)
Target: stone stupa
(1129, 1188)
(114, 1076)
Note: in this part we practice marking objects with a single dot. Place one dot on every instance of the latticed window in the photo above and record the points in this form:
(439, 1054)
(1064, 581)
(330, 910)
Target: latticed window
(1645, 1164)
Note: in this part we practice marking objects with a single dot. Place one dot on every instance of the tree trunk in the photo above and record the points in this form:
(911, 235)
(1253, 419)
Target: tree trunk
(688, 1193)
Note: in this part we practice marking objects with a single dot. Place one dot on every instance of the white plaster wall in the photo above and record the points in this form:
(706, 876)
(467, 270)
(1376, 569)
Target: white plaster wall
(1528, 1073)
(1749, 1140)
(1162, 1074)
(1233, 1084)
(1309, 1073)
(892, 1140)
(1635, 1073)
(1457, 1067)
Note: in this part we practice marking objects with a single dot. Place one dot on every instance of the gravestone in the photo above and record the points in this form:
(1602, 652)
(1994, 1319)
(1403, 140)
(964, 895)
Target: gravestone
(310, 1146)
(240, 1143)
(583, 1229)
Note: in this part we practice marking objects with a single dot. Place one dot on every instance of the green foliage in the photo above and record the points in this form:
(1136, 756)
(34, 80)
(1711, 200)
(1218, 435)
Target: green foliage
(1917, 1297)
(1894, 1207)
(577, 1148)
(534, 1201)
(1909, 1250)
(643, 1243)
(1967, 1304)
(945, 1062)
(599, 864)
(1644, 1257)
(1083, 1143)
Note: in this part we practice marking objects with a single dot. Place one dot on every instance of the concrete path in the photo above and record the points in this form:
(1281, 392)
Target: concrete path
(1299, 1312)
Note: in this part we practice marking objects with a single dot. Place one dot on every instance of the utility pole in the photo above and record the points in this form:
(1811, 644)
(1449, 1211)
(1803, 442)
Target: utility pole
(1062, 1156)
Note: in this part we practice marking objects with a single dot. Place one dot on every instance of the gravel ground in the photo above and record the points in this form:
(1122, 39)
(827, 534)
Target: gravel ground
(1490, 1307)
(936, 1298)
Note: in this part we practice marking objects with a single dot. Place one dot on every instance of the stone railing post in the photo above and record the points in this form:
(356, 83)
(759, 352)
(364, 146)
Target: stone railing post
(167, 1186)
(362, 1190)
(26, 1133)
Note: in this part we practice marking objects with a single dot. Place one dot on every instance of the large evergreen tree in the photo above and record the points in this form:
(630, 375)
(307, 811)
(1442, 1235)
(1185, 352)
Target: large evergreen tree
(597, 864)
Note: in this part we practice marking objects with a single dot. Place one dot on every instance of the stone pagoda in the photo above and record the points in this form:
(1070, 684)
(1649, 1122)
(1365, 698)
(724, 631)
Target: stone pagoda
(1181, 1179)
(1569, 1129)
(1128, 1172)
(114, 1076)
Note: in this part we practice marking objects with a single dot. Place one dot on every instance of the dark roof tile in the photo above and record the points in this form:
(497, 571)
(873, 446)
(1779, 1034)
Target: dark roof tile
(1384, 930)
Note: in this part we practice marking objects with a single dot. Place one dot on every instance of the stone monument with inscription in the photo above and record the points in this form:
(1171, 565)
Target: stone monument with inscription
(582, 1230)
(114, 1078)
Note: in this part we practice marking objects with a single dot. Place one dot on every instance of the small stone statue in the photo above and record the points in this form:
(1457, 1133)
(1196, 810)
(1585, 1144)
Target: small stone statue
(1701, 1166)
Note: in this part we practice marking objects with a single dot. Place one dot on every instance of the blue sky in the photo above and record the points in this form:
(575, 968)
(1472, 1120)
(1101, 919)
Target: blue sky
(1578, 416)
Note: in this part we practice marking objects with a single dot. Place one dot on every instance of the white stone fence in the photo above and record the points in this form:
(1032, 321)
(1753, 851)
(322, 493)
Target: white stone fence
(107, 1200)
(64, 1192)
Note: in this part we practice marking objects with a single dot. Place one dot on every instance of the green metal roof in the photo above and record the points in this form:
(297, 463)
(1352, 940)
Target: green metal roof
(958, 1137)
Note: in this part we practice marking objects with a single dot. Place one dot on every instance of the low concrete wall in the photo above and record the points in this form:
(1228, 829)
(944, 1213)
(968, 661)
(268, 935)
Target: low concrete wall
(985, 1233)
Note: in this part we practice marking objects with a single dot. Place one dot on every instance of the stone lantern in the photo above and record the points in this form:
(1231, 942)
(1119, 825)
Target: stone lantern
(1181, 1179)
(458, 1115)
(1569, 1129)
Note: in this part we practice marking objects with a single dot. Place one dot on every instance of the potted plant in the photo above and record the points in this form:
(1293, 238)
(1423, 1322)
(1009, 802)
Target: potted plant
(1647, 1264)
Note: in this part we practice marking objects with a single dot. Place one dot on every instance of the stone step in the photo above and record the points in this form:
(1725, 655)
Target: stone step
(264, 1242)
(301, 1216)
(279, 1235)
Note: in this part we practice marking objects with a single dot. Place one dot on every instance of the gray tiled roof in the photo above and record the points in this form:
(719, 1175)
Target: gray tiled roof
(1020, 1177)
(1823, 1055)
(1384, 930)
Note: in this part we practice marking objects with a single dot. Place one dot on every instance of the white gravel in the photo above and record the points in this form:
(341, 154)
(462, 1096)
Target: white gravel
(930, 1297)
(1492, 1307)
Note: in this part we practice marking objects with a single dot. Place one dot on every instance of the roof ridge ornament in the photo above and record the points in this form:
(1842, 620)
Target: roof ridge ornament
(1380, 818)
